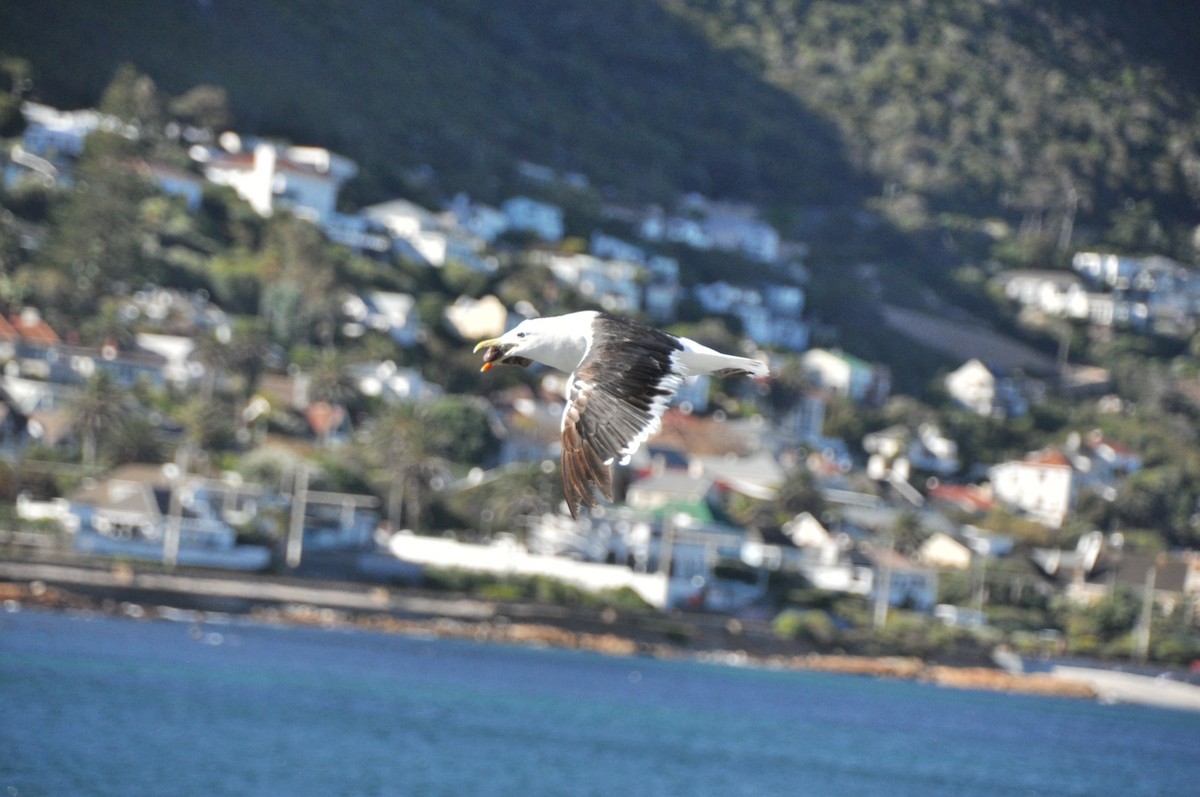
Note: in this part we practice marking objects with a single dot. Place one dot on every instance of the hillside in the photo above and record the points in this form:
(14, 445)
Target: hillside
(1038, 113)
(620, 91)
(1047, 114)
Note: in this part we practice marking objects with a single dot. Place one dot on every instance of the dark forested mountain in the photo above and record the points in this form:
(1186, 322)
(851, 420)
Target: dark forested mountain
(1056, 115)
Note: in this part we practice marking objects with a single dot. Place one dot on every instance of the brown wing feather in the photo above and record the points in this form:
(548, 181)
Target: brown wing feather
(583, 471)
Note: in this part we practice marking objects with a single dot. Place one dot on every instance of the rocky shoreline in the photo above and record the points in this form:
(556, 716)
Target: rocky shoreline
(37, 595)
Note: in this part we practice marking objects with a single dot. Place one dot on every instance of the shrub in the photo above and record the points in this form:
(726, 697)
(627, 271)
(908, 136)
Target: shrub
(809, 625)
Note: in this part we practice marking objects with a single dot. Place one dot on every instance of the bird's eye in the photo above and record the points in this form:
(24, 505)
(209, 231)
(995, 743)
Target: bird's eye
(520, 334)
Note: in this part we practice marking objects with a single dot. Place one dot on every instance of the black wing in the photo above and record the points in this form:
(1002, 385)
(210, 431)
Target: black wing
(615, 399)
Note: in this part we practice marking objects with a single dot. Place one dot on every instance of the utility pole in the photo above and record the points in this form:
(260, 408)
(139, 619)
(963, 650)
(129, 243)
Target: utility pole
(883, 587)
(172, 532)
(302, 498)
(295, 540)
(1141, 632)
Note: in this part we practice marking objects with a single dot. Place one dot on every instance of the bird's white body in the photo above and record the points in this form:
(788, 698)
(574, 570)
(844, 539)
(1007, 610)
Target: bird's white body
(563, 341)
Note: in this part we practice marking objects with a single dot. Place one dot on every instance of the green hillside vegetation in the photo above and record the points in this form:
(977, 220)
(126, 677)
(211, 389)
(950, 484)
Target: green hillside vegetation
(1058, 116)
(620, 91)
(1071, 122)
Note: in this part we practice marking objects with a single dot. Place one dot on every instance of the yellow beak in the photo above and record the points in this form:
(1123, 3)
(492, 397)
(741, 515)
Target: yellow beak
(491, 361)
(483, 344)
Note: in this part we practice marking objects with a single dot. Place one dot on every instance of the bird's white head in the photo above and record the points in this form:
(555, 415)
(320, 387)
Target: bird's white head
(557, 341)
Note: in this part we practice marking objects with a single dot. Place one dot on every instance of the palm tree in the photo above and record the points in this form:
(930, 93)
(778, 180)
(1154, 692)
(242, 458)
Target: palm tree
(97, 408)
(216, 356)
(521, 490)
(400, 447)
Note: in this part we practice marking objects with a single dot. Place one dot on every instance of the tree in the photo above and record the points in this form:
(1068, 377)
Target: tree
(94, 410)
(401, 452)
(18, 71)
(207, 424)
(134, 439)
(97, 238)
(203, 106)
(133, 97)
(525, 489)
(909, 533)
(298, 274)
(460, 431)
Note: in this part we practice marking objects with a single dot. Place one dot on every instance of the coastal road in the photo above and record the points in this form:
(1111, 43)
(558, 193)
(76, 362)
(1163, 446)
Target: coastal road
(258, 589)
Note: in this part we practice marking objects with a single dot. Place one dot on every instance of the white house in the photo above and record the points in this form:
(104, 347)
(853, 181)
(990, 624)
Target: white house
(385, 380)
(303, 179)
(476, 319)
(736, 228)
(179, 369)
(932, 451)
(1056, 293)
(132, 513)
(612, 284)
(943, 551)
(840, 373)
(385, 311)
(402, 218)
(483, 221)
(1042, 485)
(985, 392)
(1115, 271)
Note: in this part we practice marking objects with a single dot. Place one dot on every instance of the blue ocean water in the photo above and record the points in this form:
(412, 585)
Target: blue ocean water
(107, 706)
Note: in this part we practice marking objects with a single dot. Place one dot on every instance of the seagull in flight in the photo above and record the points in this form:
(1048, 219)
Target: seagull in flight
(623, 374)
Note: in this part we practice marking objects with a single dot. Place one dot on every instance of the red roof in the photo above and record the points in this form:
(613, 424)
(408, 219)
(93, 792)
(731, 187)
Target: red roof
(325, 418)
(30, 326)
(1050, 457)
(7, 330)
(968, 496)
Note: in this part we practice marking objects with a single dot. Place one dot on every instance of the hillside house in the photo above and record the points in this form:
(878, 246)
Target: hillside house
(1101, 463)
(358, 233)
(945, 552)
(435, 238)
(612, 284)
(844, 375)
(483, 221)
(305, 180)
(972, 499)
(672, 491)
(383, 379)
(758, 475)
(178, 369)
(986, 391)
(539, 218)
(1114, 271)
(176, 182)
(1043, 485)
(906, 583)
(394, 314)
(51, 142)
(896, 450)
(476, 319)
(1056, 293)
(129, 512)
(662, 291)
(737, 228)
